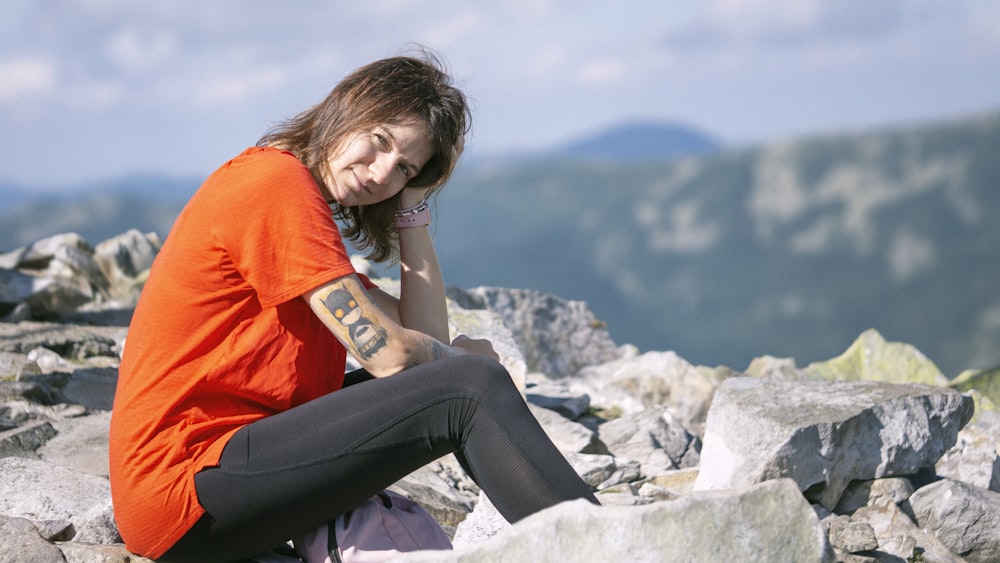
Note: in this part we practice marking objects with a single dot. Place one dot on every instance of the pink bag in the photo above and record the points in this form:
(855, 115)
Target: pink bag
(384, 526)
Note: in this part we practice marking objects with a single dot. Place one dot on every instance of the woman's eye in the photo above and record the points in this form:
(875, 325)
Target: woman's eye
(381, 140)
(404, 170)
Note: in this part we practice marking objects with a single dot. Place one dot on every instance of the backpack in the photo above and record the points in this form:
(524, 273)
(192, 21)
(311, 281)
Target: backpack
(384, 526)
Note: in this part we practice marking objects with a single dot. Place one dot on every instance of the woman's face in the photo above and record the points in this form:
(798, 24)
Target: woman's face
(376, 164)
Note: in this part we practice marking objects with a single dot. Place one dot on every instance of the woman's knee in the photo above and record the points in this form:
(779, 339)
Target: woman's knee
(481, 375)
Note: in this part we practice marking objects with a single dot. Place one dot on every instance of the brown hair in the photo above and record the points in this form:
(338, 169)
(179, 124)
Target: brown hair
(388, 91)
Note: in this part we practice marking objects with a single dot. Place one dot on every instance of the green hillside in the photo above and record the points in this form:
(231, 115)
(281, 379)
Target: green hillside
(790, 249)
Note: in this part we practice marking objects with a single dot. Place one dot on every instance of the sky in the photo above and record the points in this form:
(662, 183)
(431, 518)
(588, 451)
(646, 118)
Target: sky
(93, 90)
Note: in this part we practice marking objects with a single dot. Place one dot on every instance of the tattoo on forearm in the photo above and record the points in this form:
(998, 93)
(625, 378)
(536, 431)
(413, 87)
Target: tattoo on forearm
(367, 337)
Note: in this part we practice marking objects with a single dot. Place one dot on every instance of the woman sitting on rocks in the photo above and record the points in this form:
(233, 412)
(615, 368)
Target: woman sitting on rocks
(234, 426)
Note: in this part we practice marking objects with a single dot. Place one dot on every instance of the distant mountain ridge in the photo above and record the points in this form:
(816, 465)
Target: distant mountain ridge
(640, 140)
(789, 249)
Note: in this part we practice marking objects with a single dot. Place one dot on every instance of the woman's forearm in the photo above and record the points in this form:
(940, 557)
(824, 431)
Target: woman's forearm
(422, 304)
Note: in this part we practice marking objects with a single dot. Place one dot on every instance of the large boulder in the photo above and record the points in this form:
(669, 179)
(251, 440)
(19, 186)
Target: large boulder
(558, 337)
(69, 504)
(825, 435)
(736, 525)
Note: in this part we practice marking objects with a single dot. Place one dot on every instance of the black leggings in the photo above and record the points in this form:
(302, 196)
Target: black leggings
(288, 473)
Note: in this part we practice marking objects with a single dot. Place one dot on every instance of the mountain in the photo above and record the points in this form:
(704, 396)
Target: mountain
(789, 249)
(641, 140)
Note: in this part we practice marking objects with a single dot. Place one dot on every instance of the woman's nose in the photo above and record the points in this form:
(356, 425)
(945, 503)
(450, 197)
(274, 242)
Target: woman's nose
(381, 169)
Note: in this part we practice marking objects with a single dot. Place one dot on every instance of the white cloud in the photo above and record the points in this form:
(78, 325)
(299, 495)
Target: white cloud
(448, 32)
(601, 70)
(26, 78)
(137, 51)
(238, 85)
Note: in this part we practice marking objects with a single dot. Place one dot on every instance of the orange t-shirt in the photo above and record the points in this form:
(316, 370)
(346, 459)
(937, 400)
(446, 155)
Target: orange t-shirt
(221, 338)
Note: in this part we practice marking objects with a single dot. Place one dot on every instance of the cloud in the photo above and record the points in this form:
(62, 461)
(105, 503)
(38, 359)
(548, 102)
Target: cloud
(783, 23)
(134, 50)
(601, 70)
(238, 85)
(26, 78)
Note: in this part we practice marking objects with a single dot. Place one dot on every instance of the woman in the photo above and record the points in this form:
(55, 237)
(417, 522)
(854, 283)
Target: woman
(233, 427)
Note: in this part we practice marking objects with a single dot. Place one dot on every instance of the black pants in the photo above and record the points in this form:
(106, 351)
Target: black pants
(293, 471)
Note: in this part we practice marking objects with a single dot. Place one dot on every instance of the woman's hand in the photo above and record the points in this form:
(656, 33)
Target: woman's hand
(410, 197)
(478, 346)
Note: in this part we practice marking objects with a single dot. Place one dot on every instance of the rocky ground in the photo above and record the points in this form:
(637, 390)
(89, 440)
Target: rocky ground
(870, 456)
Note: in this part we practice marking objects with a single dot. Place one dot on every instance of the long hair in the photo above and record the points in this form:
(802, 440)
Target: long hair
(388, 91)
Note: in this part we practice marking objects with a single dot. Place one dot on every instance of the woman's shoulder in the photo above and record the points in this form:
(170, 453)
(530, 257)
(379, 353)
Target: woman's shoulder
(268, 158)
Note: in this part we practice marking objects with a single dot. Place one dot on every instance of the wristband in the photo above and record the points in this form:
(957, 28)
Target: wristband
(417, 216)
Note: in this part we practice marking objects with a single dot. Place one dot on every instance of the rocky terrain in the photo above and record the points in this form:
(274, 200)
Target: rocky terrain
(873, 455)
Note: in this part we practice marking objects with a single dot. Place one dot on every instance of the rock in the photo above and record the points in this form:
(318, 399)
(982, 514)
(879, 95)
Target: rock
(824, 435)
(985, 381)
(709, 526)
(20, 541)
(558, 337)
(81, 444)
(479, 323)
(557, 397)
(654, 379)
(652, 437)
(769, 367)
(73, 342)
(604, 471)
(973, 460)
(124, 258)
(443, 489)
(877, 492)
(898, 536)
(24, 440)
(871, 358)
(484, 522)
(567, 435)
(852, 536)
(41, 492)
(963, 517)
(77, 552)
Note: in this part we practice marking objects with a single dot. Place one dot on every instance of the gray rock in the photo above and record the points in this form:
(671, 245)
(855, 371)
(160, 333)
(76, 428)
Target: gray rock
(41, 491)
(20, 541)
(712, 526)
(443, 489)
(24, 440)
(73, 342)
(604, 471)
(652, 437)
(654, 379)
(890, 490)
(899, 537)
(567, 435)
(484, 522)
(824, 435)
(81, 444)
(852, 536)
(77, 552)
(963, 517)
(124, 258)
(558, 337)
(973, 460)
(557, 397)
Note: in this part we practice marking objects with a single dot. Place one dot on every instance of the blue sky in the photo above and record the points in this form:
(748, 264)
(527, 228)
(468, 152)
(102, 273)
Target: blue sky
(95, 89)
